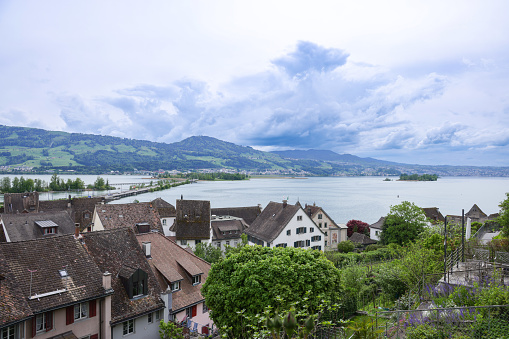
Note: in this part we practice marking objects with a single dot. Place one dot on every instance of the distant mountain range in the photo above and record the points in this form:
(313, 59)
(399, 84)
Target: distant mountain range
(44, 151)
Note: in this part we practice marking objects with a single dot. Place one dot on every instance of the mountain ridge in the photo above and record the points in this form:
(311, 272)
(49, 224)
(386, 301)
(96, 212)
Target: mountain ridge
(44, 151)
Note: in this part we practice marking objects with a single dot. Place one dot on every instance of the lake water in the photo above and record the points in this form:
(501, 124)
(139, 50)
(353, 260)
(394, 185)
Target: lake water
(343, 198)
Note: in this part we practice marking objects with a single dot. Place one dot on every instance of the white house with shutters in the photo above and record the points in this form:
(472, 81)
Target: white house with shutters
(285, 225)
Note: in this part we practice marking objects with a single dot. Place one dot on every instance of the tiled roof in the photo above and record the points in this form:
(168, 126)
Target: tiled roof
(128, 215)
(21, 227)
(80, 208)
(271, 222)
(165, 209)
(44, 258)
(13, 304)
(115, 250)
(21, 202)
(249, 214)
(166, 256)
(313, 210)
(378, 224)
(233, 228)
(433, 213)
(193, 219)
(361, 239)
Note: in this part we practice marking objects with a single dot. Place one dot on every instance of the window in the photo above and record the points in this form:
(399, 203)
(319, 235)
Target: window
(197, 242)
(317, 248)
(325, 233)
(325, 224)
(325, 242)
(235, 243)
(150, 317)
(49, 230)
(175, 286)
(191, 311)
(308, 243)
(138, 288)
(289, 232)
(43, 322)
(183, 242)
(320, 224)
(281, 245)
(316, 238)
(80, 311)
(7, 333)
(205, 308)
(218, 244)
(87, 215)
(311, 230)
(227, 243)
(320, 216)
(196, 279)
(164, 222)
(299, 243)
(128, 327)
(301, 230)
(158, 314)
(299, 218)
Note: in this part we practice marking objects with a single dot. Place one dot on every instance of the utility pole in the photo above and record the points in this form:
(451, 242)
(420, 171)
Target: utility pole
(445, 248)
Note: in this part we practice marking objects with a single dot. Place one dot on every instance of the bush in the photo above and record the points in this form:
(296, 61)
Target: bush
(373, 247)
(346, 246)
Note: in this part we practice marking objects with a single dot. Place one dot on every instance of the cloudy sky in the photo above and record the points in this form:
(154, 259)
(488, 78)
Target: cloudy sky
(423, 82)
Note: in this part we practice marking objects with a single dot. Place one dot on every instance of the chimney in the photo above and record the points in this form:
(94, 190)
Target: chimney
(285, 202)
(76, 231)
(146, 249)
(107, 280)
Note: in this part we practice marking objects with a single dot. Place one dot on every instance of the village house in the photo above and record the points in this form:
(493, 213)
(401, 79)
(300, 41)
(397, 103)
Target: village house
(141, 217)
(192, 223)
(136, 305)
(375, 230)
(227, 231)
(475, 214)
(282, 225)
(167, 213)
(15, 203)
(248, 213)
(51, 288)
(333, 232)
(29, 226)
(433, 215)
(180, 275)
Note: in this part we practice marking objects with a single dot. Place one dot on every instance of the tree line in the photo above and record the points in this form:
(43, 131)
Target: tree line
(21, 185)
(417, 177)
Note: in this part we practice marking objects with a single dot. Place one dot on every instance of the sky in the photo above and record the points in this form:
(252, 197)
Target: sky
(418, 82)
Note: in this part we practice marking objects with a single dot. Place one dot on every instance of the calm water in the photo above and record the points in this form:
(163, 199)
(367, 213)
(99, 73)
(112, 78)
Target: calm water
(363, 198)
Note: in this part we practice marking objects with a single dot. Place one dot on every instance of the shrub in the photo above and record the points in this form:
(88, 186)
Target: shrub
(346, 246)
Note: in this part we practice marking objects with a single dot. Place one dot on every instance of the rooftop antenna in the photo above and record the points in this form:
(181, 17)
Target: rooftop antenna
(31, 274)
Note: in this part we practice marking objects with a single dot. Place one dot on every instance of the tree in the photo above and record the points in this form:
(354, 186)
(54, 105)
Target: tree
(346, 246)
(249, 280)
(403, 224)
(208, 252)
(357, 226)
(503, 218)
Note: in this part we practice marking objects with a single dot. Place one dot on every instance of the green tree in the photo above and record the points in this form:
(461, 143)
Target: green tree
(99, 183)
(403, 224)
(503, 218)
(209, 253)
(346, 246)
(246, 282)
(54, 183)
(170, 330)
(6, 184)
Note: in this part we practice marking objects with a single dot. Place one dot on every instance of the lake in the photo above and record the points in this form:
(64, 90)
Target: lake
(343, 198)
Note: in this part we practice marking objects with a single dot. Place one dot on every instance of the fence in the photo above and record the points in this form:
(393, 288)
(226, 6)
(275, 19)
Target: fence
(484, 322)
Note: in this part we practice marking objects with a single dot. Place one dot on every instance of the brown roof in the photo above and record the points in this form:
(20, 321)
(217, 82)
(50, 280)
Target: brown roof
(271, 222)
(45, 258)
(378, 224)
(193, 219)
(165, 209)
(23, 226)
(433, 213)
(169, 260)
(21, 202)
(249, 214)
(128, 215)
(13, 304)
(313, 210)
(80, 208)
(361, 239)
(115, 250)
(232, 228)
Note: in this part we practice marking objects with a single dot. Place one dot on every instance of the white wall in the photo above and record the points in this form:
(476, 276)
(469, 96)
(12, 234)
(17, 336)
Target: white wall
(167, 223)
(293, 237)
(142, 329)
(374, 233)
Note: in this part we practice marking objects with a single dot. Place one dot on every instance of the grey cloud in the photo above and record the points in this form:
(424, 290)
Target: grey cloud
(311, 57)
